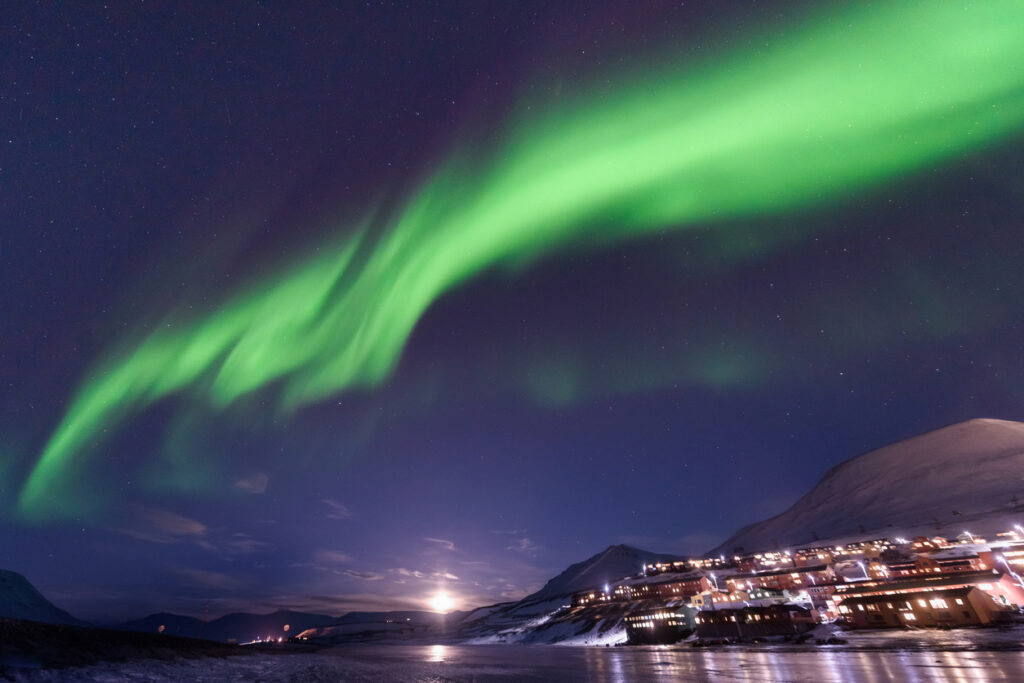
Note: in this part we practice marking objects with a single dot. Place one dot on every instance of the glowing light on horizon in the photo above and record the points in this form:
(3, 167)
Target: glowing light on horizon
(442, 602)
(838, 105)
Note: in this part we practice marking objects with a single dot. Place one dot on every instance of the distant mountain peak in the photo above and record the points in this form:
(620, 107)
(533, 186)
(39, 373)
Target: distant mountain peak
(19, 599)
(612, 563)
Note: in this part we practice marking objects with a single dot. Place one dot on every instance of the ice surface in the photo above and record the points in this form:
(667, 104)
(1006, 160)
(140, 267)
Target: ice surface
(523, 663)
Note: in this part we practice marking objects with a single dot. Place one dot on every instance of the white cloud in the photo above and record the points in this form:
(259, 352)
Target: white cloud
(323, 557)
(162, 526)
(365, 576)
(523, 545)
(336, 509)
(254, 483)
(409, 572)
(446, 544)
(417, 574)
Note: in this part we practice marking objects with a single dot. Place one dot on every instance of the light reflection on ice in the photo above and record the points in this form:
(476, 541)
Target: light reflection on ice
(366, 662)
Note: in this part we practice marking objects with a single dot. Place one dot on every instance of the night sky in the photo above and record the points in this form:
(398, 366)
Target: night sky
(329, 306)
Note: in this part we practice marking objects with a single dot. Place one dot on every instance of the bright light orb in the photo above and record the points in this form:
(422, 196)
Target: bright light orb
(441, 602)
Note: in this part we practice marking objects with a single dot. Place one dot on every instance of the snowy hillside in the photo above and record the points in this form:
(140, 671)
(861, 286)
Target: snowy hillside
(614, 562)
(546, 617)
(971, 473)
(19, 599)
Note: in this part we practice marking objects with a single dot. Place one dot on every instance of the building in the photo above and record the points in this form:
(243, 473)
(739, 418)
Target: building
(941, 562)
(755, 622)
(590, 597)
(1003, 590)
(713, 599)
(667, 586)
(793, 578)
(666, 567)
(823, 599)
(660, 626)
(809, 557)
(953, 607)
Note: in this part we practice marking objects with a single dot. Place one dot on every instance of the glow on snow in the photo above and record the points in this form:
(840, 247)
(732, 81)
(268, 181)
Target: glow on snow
(842, 103)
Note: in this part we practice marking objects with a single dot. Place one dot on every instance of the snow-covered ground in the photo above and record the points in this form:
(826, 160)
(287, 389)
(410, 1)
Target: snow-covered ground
(518, 663)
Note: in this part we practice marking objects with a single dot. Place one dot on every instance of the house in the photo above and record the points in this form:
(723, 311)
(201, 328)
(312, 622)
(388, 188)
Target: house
(665, 585)
(755, 622)
(823, 599)
(659, 626)
(1003, 589)
(953, 607)
(940, 562)
(809, 557)
(590, 597)
(714, 599)
(792, 578)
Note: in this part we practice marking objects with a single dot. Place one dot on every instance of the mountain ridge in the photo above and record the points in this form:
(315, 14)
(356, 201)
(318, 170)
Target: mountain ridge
(967, 470)
(610, 564)
(19, 599)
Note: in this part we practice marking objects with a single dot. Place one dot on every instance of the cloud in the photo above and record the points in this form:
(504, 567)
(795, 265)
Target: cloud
(409, 572)
(447, 545)
(365, 576)
(161, 526)
(330, 557)
(208, 579)
(363, 602)
(243, 544)
(337, 510)
(255, 483)
(523, 545)
(174, 524)
(417, 574)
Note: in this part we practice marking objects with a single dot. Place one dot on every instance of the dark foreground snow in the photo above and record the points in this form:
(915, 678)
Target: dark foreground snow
(540, 663)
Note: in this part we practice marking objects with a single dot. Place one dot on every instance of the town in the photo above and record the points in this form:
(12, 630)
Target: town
(882, 583)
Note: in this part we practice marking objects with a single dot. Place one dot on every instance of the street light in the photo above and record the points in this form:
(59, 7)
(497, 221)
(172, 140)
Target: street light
(969, 535)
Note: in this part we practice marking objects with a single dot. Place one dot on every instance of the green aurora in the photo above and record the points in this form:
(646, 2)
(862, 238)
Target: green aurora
(845, 102)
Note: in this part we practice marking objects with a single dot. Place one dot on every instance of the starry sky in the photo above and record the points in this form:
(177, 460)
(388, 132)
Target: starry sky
(329, 306)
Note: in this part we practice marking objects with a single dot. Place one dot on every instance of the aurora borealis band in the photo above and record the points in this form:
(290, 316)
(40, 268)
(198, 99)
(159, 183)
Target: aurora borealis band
(829, 109)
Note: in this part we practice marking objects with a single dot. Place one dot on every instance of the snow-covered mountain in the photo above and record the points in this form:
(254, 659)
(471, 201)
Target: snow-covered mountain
(19, 599)
(546, 616)
(614, 562)
(965, 475)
